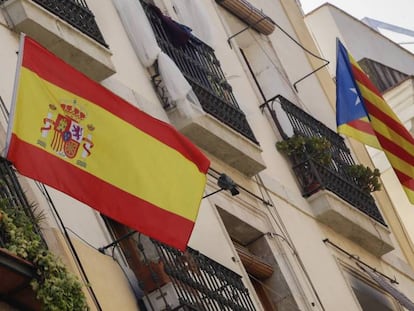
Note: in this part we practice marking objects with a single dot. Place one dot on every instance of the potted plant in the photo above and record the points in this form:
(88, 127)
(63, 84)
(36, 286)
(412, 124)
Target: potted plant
(56, 288)
(302, 147)
(367, 179)
(152, 275)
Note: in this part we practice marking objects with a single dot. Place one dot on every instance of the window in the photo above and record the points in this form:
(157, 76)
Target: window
(370, 297)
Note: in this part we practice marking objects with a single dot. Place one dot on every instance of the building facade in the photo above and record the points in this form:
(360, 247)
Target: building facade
(289, 231)
(390, 67)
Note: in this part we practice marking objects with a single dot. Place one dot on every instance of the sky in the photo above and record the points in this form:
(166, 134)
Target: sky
(396, 12)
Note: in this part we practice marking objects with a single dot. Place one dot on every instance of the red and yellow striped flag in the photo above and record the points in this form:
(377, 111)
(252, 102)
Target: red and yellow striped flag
(394, 139)
(71, 133)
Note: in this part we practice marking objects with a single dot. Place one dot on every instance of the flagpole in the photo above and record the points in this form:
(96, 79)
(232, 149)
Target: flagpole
(14, 96)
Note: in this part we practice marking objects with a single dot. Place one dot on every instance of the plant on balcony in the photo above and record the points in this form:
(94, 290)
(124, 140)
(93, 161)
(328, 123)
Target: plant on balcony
(367, 179)
(55, 287)
(302, 147)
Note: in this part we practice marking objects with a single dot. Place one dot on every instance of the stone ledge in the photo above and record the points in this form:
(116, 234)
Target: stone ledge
(350, 222)
(219, 140)
(67, 42)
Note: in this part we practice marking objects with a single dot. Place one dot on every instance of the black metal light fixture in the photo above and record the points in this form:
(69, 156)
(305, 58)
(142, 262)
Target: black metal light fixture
(225, 183)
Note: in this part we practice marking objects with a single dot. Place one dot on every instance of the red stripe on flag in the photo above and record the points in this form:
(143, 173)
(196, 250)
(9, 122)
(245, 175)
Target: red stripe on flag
(396, 126)
(395, 149)
(54, 70)
(361, 77)
(362, 126)
(374, 110)
(405, 180)
(112, 201)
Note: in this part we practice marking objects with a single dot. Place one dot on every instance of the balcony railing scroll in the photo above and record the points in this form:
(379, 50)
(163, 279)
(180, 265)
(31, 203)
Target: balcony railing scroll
(311, 175)
(76, 13)
(198, 63)
(200, 282)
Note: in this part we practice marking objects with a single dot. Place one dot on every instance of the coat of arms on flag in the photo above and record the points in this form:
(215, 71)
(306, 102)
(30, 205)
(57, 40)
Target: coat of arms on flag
(65, 133)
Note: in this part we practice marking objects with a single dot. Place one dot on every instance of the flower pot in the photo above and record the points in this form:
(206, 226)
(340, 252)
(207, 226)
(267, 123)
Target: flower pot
(145, 276)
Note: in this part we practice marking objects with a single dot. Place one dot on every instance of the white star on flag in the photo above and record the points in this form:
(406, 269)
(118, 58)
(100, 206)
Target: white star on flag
(357, 100)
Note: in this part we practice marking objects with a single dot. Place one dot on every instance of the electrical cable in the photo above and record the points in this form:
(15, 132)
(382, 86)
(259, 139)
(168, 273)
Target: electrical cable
(59, 221)
(134, 288)
(4, 110)
(70, 245)
(210, 170)
(306, 50)
(358, 260)
(298, 44)
(281, 224)
(80, 238)
(279, 69)
(267, 287)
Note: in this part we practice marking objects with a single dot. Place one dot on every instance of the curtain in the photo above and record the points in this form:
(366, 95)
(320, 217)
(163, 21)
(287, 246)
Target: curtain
(147, 50)
(139, 30)
(178, 88)
(193, 14)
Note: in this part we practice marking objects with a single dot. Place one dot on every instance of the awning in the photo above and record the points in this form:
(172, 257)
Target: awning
(249, 14)
(16, 274)
(253, 264)
(386, 286)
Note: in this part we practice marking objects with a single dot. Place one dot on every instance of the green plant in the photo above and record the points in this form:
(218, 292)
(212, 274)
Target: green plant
(366, 178)
(55, 287)
(317, 148)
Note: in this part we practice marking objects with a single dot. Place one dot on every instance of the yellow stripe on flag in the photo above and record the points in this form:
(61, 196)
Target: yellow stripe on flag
(377, 101)
(409, 193)
(392, 135)
(399, 164)
(358, 135)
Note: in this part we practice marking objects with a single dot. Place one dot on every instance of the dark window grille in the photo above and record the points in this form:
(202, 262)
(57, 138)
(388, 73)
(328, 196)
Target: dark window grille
(76, 13)
(201, 68)
(313, 176)
(12, 193)
(201, 283)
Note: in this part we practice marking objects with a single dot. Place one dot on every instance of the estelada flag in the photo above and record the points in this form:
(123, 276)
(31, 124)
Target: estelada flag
(351, 116)
(369, 114)
(74, 135)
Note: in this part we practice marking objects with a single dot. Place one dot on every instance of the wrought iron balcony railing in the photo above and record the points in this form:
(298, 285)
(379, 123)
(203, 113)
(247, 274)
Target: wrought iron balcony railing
(313, 176)
(198, 62)
(201, 283)
(11, 193)
(76, 13)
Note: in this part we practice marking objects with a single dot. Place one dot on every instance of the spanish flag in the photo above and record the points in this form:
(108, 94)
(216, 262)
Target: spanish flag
(362, 113)
(74, 135)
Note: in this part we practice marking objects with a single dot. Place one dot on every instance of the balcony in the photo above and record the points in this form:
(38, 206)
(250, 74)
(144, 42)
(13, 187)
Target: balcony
(176, 280)
(66, 28)
(334, 196)
(16, 273)
(224, 130)
(199, 283)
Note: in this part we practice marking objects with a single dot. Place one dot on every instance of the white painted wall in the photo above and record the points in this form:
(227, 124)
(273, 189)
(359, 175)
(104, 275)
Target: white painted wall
(132, 82)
